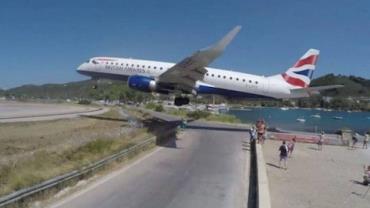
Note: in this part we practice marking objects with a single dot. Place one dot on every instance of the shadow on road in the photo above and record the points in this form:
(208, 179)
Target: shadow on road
(104, 118)
(357, 182)
(272, 165)
(313, 148)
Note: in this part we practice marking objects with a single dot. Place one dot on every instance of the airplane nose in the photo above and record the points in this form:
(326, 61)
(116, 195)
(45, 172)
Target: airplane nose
(81, 67)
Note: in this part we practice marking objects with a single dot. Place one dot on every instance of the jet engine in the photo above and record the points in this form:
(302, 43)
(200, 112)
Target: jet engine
(142, 83)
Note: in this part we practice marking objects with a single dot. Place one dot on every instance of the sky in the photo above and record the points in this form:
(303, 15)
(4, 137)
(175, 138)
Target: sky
(44, 41)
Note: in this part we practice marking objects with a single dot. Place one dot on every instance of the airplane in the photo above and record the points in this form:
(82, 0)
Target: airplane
(192, 76)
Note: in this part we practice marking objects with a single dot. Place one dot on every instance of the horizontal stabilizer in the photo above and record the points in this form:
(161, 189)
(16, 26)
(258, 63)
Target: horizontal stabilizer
(315, 90)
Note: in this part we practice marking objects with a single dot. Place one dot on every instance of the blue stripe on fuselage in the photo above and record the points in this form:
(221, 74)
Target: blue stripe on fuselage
(202, 89)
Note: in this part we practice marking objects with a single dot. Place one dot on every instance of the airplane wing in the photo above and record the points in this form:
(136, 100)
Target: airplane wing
(191, 69)
(315, 90)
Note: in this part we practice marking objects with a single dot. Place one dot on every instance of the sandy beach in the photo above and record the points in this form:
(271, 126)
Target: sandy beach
(328, 178)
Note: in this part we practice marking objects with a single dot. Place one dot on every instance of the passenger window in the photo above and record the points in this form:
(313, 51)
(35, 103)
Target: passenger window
(148, 67)
(237, 79)
(143, 66)
(138, 66)
(213, 75)
(161, 68)
(256, 82)
(224, 77)
(207, 74)
(155, 67)
(219, 76)
(250, 81)
(231, 78)
(132, 65)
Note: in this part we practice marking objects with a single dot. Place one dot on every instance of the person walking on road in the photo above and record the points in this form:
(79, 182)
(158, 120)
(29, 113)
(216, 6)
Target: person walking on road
(283, 155)
(291, 147)
(321, 141)
(366, 140)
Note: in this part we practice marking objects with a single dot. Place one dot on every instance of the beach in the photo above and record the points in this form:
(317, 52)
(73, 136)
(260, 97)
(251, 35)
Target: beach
(328, 178)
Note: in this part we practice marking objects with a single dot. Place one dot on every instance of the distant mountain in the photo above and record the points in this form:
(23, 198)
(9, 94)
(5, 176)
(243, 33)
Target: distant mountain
(353, 86)
(52, 91)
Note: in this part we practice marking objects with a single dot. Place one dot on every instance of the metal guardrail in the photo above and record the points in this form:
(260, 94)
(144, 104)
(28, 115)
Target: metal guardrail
(54, 182)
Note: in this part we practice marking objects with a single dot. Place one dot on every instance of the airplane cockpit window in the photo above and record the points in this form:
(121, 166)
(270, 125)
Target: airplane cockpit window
(94, 62)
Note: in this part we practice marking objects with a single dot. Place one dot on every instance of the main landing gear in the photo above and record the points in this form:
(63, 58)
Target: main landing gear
(179, 101)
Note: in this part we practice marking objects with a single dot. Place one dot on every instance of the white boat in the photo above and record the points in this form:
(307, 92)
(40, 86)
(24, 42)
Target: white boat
(337, 117)
(316, 116)
(302, 120)
(284, 108)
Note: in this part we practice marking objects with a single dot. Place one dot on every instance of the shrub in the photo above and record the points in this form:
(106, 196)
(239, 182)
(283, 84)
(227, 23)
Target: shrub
(84, 102)
(198, 114)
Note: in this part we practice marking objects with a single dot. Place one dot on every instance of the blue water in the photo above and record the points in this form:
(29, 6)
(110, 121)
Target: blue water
(275, 117)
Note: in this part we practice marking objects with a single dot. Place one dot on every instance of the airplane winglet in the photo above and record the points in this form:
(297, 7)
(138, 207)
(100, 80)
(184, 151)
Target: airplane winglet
(212, 52)
(221, 45)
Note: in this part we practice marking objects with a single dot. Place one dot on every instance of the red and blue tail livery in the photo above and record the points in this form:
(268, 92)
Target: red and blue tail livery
(300, 74)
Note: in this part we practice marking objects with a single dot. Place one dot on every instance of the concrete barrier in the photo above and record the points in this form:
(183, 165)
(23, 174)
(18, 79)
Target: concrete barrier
(264, 200)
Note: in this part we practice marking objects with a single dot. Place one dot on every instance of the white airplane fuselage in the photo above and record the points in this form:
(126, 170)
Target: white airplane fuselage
(215, 81)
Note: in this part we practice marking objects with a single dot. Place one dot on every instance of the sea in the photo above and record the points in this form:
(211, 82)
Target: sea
(311, 120)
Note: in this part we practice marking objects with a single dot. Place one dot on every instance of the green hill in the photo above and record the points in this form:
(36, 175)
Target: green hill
(111, 90)
(353, 86)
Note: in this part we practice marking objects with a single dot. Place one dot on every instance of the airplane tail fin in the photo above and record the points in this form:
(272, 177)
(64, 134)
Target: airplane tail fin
(300, 74)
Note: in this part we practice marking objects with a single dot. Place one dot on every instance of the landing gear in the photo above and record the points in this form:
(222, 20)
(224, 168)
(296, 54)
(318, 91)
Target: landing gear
(179, 101)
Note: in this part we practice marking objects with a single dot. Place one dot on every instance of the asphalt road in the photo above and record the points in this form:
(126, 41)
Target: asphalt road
(204, 168)
(17, 111)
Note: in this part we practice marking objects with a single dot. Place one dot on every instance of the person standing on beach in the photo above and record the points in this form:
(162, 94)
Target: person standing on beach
(283, 155)
(291, 146)
(321, 141)
(354, 140)
(366, 175)
(366, 140)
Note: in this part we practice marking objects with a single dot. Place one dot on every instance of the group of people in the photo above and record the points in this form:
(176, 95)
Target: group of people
(286, 150)
(258, 132)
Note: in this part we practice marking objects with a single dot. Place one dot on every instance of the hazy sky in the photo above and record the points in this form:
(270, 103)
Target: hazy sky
(44, 41)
